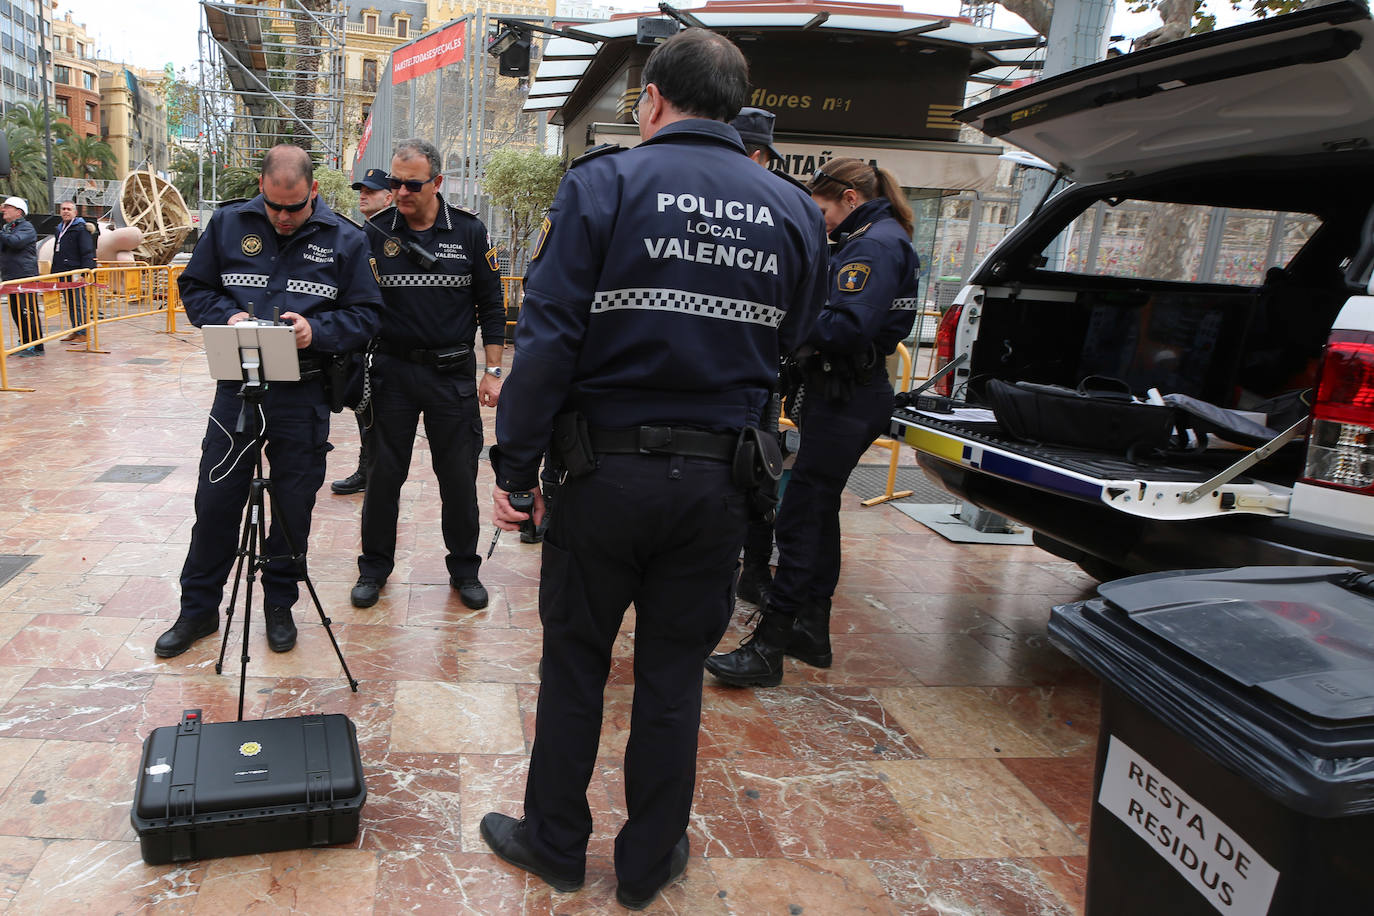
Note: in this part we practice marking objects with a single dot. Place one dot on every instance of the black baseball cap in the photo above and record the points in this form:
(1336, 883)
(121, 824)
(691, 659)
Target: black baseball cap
(755, 126)
(374, 179)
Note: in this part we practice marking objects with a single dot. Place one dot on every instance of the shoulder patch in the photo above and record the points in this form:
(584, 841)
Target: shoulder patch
(492, 259)
(860, 231)
(852, 277)
(375, 275)
(544, 229)
(600, 149)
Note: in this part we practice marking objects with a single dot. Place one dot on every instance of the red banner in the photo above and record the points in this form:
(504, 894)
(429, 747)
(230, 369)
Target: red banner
(447, 46)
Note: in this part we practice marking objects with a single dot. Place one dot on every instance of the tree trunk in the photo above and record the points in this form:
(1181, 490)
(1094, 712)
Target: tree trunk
(306, 65)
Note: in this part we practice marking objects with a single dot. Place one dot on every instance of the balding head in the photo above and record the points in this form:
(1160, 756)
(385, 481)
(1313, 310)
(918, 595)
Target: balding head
(288, 163)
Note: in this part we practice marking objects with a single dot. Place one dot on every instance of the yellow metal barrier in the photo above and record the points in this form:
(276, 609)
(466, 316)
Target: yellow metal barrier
(892, 445)
(111, 292)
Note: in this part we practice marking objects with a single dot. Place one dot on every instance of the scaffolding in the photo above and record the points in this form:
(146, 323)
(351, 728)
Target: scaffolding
(271, 71)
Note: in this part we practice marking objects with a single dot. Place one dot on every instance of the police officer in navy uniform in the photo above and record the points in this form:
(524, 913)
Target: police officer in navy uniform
(845, 403)
(755, 128)
(284, 250)
(440, 282)
(665, 282)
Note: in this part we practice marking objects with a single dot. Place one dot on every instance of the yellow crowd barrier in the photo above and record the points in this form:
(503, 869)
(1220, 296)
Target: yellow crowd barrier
(892, 445)
(51, 307)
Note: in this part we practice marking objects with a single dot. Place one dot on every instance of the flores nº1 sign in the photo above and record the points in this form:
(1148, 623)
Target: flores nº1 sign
(1199, 845)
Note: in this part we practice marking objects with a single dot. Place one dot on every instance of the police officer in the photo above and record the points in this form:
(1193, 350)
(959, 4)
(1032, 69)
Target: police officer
(755, 128)
(665, 282)
(440, 283)
(283, 250)
(374, 196)
(846, 403)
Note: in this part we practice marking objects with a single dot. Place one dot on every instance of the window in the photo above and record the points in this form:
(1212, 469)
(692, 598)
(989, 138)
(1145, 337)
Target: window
(1163, 241)
(90, 111)
(62, 106)
(88, 80)
(370, 73)
(370, 24)
(62, 75)
(402, 28)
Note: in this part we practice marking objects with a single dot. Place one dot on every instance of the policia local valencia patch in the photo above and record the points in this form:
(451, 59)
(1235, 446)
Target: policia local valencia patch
(852, 277)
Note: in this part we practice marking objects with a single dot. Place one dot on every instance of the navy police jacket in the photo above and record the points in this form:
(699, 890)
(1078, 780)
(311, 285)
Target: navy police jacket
(322, 271)
(665, 284)
(872, 289)
(443, 306)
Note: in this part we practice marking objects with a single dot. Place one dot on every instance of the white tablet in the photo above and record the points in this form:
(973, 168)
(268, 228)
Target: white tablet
(252, 351)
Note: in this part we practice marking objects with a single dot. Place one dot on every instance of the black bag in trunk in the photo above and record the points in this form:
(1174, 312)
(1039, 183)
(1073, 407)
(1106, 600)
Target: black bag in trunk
(1094, 416)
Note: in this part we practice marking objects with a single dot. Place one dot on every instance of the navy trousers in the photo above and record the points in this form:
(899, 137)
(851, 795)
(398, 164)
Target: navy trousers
(834, 438)
(401, 392)
(297, 442)
(663, 533)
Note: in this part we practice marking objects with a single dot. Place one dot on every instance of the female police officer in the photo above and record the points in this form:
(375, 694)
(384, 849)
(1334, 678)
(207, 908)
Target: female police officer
(845, 403)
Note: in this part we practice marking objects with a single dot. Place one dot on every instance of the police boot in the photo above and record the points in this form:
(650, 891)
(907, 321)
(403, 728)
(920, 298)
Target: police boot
(810, 638)
(758, 660)
(754, 582)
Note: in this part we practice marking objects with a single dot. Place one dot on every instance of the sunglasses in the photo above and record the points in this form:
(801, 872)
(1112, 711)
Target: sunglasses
(410, 185)
(821, 174)
(289, 208)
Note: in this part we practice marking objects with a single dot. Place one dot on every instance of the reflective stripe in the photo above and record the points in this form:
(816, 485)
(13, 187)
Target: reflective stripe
(688, 303)
(308, 288)
(426, 280)
(905, 305)
(255, 280)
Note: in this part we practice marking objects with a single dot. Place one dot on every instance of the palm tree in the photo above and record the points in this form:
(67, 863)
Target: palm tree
(88, 157)
(307, 65)
(24, 125)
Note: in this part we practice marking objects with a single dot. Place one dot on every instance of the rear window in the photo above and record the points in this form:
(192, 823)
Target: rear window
(1164, 241)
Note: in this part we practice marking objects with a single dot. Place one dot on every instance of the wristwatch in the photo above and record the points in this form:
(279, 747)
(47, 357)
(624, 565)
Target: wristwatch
(494, 370)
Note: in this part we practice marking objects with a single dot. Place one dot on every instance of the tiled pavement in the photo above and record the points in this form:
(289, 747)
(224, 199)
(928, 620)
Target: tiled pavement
(942, 766)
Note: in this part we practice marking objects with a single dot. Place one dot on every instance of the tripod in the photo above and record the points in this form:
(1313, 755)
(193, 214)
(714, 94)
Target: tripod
(253, 543)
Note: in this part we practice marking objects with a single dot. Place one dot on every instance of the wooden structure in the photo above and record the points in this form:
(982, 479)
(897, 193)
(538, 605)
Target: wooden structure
(154, 206)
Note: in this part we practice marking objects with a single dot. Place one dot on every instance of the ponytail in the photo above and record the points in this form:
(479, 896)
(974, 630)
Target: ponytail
(868, 181)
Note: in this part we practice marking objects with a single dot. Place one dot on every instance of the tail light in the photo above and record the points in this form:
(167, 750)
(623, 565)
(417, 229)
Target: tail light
(944, 347)
(1340, 448)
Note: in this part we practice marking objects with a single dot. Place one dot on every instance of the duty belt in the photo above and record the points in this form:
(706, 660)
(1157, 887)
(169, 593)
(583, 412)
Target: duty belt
(421, 356)
(664, 440)
(311, 369)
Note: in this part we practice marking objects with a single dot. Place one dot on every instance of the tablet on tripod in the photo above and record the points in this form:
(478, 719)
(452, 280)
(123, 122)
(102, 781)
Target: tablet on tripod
(252, 352)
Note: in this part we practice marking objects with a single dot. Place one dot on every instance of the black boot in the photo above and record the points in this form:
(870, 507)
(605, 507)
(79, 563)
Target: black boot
(758, 660)
(754, 582)
(810, 638)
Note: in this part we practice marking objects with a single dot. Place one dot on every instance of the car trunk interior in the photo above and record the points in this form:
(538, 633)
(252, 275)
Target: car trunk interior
(1228, 345)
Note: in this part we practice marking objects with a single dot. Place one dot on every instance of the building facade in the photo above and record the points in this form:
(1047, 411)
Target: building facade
(23, 25)
(75, 77)
(132, 118)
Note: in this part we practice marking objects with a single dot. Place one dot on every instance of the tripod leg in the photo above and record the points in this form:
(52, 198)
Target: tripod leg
(298, 559)
(244, 544)
(257, 544)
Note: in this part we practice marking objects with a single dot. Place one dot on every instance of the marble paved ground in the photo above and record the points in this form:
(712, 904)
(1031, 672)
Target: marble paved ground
(942, 766)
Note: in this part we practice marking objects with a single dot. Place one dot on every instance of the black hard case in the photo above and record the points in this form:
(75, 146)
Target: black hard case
(232, 788)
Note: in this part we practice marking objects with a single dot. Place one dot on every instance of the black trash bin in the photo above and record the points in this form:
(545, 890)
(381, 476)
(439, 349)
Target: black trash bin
(1235, 761)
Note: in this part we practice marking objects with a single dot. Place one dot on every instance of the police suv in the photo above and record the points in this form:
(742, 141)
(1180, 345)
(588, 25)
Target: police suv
(1215, 244)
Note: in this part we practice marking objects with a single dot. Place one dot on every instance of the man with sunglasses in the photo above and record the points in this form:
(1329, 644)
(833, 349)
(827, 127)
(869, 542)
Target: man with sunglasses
(283, 252)
(666, 283)
(440, 283)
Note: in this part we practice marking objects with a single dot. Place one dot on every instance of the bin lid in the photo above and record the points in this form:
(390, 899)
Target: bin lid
(1296, 633)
